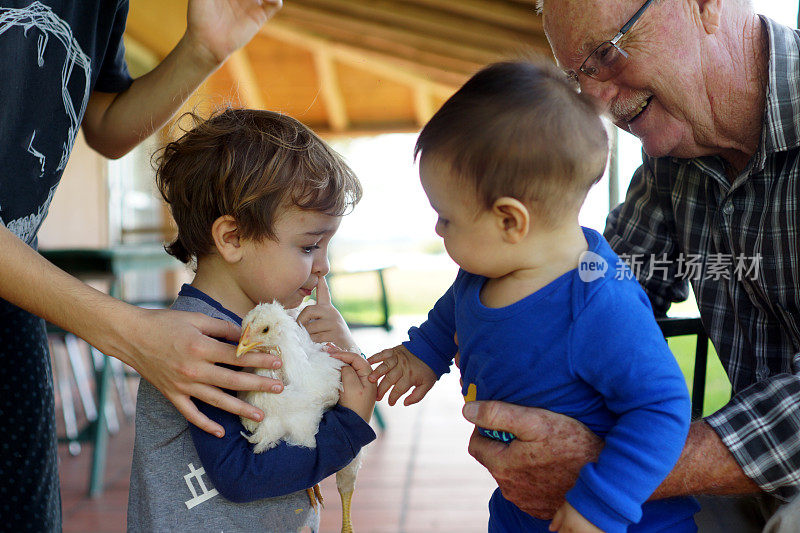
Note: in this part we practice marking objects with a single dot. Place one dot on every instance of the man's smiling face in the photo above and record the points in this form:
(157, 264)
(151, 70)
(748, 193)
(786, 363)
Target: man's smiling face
(660, 95)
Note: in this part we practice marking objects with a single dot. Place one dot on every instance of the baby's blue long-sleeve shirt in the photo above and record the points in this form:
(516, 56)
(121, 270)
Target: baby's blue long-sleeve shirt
(587, 349)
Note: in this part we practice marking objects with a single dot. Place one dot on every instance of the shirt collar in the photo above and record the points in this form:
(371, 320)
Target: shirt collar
(781, 128)
(188, 291)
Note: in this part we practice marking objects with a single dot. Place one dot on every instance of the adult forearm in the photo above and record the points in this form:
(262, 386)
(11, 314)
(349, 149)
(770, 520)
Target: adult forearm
(36, 285)
(705, 466)
(116, 123)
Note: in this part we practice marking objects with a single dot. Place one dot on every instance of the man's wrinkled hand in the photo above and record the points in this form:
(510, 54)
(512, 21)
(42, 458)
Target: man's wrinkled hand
(536, 469)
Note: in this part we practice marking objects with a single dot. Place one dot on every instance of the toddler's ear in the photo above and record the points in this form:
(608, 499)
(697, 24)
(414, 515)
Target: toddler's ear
(225, 232)
(512, 219)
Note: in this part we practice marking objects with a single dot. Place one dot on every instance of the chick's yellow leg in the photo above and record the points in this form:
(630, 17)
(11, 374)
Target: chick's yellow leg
(312, 499)
(318, 494)
(315, 497)
(347, 524)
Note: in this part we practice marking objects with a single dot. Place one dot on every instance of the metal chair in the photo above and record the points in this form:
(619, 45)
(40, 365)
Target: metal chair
(673, 327)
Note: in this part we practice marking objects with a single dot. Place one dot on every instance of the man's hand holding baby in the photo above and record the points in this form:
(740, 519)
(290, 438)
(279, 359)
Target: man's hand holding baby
(401, 370)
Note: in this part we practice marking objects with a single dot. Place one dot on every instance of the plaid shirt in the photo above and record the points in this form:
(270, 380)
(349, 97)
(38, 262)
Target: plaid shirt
(682, 213)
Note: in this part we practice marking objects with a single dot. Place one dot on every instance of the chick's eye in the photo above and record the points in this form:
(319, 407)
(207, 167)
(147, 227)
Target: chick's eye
(265, 330)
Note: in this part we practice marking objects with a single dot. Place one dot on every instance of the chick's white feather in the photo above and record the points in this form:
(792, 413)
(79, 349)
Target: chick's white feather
(311, 378)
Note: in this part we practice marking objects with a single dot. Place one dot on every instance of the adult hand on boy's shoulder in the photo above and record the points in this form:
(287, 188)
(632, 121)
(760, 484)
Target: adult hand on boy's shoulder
(177, 352)
(537, 469)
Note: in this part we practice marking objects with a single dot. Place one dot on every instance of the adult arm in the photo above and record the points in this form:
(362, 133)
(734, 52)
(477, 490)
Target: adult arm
(114, 123)
(759, 425)
(243, 476)
(172, 349)
(550, 450)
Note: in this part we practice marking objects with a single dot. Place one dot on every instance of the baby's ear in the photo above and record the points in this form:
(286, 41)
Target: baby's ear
(225, 232)
(512, 219)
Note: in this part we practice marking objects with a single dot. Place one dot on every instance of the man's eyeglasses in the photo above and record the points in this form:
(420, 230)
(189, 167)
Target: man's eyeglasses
(608, 59)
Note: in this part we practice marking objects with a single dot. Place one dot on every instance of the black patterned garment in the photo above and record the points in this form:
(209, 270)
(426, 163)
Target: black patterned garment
(737, 243)
(53, 54)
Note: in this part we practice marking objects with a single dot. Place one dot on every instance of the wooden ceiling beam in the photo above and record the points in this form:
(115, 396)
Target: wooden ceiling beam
(330, 89)
(381, 35)
(241, 69)
(370, 130)
(423, 59)
(509, 14)
(431, 22)
(423, 104)
(441, 83)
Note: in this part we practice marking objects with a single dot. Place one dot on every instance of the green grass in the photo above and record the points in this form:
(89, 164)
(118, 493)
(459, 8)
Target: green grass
(718, 387)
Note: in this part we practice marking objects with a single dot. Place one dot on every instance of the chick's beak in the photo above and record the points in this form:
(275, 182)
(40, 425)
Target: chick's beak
(245, 344)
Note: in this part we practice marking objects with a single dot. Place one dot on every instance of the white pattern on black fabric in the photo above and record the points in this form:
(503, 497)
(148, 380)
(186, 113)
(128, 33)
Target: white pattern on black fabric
(48, 24)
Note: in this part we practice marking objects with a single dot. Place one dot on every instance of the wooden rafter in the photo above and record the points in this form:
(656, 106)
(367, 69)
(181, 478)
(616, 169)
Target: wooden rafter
(357, 66)
(329, 87)
(238, 64)
(423, 104)
(425, 21)
(368, 35)
(509, 14)
(441, 82)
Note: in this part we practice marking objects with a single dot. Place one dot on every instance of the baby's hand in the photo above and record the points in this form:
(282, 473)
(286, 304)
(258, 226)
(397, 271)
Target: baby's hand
(358, 392)
(568, 520)
(324, 323)
(401, 370)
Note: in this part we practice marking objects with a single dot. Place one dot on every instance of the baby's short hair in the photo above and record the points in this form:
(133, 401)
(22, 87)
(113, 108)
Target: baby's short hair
(520, 129)
(248, 164)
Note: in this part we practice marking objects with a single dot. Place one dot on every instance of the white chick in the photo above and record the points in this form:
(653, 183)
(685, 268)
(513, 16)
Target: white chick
(312, 381)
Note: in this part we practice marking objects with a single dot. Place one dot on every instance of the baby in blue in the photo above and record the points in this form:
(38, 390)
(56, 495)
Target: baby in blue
(542, 312)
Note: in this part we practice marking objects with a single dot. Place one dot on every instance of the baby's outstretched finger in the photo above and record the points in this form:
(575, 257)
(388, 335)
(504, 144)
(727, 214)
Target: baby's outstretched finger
(399, 389)
(417, 394)
(381, 356)
(389, 381)
(383, 369)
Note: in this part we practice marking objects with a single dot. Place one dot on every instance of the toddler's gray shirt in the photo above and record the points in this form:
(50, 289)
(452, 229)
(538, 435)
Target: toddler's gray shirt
(169, 489)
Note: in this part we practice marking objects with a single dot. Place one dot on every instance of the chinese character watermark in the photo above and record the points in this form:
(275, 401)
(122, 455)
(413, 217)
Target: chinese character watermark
(691, 267)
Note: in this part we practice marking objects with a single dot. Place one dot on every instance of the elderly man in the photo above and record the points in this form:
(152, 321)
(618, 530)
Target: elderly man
(711, 89)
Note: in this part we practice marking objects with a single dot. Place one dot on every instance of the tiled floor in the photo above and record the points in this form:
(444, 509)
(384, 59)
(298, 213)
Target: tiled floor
(417, 476)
